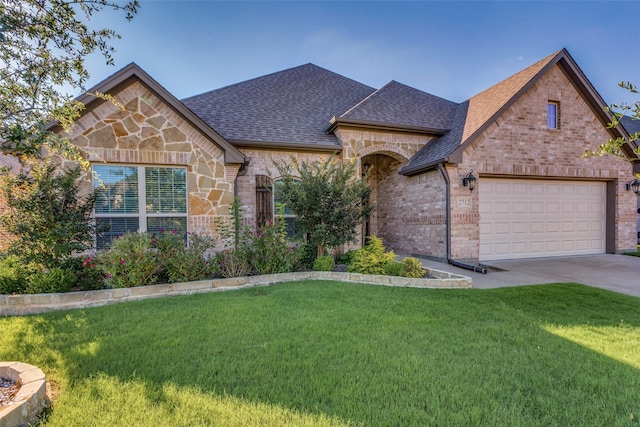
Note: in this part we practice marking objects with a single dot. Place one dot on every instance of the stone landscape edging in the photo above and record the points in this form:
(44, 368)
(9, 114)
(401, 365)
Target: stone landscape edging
(30, 400)
(13, 305)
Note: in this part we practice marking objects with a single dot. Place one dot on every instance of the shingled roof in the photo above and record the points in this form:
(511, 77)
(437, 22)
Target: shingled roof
(402, 106)
(287, 108)
(480, 111)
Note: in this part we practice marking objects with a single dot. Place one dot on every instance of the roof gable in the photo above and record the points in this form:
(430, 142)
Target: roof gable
(484, 108)
(290, 107)
(399, 105)
(131, 72)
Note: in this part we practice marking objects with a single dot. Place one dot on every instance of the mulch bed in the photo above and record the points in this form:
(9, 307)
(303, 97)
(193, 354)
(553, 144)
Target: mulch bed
(8, 389)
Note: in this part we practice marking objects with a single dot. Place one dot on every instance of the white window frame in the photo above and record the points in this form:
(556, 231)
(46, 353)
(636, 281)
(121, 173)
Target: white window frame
(142, 213)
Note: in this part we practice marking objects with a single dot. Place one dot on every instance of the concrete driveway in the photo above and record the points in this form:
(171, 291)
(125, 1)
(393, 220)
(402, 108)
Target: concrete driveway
(618, 273)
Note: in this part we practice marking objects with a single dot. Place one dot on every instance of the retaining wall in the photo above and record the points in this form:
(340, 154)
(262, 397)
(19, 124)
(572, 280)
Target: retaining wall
(41, 303)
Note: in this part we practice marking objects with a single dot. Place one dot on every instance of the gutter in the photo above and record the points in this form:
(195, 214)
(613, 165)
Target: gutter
(450, 260)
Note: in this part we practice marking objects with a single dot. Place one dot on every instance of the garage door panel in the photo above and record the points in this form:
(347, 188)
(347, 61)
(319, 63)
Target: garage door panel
(537, 218)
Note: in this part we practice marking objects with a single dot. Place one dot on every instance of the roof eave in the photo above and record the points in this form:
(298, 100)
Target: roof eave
(296, 146)
(393, 127)
(406, 171)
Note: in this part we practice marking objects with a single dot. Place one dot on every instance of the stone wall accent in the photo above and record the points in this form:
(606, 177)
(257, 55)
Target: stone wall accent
(519, 144)
(14, 305)
(148, 131)
(30, 400)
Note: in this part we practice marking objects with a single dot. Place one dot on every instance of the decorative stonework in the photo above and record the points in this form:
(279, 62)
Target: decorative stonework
(30, 400)
(148, 131)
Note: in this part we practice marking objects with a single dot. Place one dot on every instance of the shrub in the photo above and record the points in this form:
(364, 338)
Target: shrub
(130, 261)
(184, 263)
(232, 263)
(394, 268)
(87, 273)
(46, 213)
(324, 263)
(345, 258)
(413, 268)
(55, 279)
(269, 250)
(371, 259)
(308, 253)
(14, 274)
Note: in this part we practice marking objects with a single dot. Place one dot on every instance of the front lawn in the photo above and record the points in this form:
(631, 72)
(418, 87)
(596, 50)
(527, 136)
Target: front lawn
(327, 353)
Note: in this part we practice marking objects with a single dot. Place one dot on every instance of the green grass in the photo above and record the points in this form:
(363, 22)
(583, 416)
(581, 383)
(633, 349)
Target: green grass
(636, 253)
(326, 353)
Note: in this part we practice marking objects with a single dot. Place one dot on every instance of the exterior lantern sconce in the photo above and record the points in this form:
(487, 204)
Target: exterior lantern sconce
(366, 167)
(634, 185)
(469, 181)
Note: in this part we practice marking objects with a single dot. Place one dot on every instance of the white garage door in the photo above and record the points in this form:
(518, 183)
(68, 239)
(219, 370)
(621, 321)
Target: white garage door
(535, 218)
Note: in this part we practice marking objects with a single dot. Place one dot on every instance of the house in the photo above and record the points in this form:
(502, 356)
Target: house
(498, 176)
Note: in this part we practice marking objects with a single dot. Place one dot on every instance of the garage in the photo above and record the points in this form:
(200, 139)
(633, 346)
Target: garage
(528, 218)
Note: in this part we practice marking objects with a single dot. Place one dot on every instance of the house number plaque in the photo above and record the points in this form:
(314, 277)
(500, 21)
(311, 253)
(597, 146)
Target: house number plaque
(464, 201)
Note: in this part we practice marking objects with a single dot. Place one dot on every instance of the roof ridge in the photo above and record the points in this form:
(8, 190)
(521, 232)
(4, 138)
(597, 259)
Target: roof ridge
(309, 65)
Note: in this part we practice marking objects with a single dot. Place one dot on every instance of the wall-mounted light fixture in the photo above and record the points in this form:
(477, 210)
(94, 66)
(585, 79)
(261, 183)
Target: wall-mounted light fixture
(634, 185)
(366, 167)
(469, 181)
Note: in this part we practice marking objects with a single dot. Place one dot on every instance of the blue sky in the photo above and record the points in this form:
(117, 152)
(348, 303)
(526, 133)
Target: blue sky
(452, 49)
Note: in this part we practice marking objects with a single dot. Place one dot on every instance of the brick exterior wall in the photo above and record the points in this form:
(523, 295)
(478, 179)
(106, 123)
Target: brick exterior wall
(408, 211)
(519, 144)
(262, 164)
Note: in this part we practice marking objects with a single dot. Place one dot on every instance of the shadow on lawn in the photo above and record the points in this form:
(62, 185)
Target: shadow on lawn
(369, 355)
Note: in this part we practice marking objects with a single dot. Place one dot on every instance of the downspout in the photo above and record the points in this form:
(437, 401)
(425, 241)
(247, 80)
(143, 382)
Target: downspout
(450, 260)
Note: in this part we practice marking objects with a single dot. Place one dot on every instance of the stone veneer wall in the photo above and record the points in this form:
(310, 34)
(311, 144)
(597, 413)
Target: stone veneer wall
(148, 131)
(520, 145)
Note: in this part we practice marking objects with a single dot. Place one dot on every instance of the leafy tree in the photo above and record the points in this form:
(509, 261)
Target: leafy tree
(46, 214)
(43, 46)
(614, 147)
(328, 199)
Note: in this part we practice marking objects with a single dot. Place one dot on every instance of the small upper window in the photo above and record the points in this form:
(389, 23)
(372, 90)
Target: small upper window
(553, 120)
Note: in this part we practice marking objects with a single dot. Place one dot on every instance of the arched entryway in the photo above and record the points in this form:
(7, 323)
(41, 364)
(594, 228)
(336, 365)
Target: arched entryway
(387, 196)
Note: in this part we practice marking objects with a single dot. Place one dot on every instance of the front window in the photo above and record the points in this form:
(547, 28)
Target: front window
(139, 198)
(281, 210)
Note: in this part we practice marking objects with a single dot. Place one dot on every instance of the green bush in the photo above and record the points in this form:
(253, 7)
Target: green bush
(55, 279)
(324, 263)
(184, 263)
(394, 268)
(413, 268)
(308, 254)
(269, 250)
(131, 261)
(372, 259)
(14, 275)
(345, 258)
(87, 273)
(46, 213)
